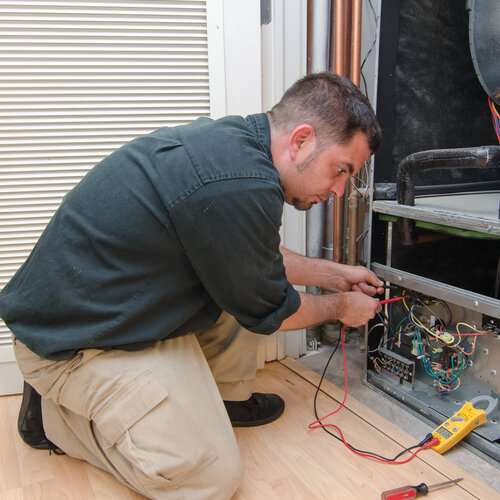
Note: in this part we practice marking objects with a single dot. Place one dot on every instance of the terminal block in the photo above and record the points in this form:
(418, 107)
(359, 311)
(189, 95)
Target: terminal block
(396, 365)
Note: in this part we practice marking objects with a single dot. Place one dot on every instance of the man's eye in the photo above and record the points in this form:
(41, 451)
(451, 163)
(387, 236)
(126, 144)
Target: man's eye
(341, 170)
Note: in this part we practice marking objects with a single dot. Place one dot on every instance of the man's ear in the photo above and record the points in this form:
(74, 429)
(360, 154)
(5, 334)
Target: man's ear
(301, 137)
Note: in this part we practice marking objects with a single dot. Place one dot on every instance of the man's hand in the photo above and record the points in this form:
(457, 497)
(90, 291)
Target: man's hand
(357, 308)
(356, 278)
(352, 308)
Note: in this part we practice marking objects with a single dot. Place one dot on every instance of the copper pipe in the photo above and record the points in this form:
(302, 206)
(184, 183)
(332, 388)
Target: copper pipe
(348, 37)
(356, 42)
(331, 48)
(339, 67)
(310, 31)
(355, 70)
(339, 36)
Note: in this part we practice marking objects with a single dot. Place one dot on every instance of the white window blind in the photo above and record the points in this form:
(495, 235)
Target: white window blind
(78, 79)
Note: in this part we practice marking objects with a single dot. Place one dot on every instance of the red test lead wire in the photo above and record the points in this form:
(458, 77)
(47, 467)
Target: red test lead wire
(318, 423)
(395, 299)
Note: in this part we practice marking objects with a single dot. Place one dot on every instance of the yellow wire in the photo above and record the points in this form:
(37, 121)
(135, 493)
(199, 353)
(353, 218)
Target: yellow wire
(446, 388)
(404, 301)
(494, 108)
(419, 323)
(476, 330)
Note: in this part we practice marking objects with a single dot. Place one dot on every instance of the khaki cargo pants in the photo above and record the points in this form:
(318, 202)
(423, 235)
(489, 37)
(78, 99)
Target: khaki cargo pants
(153, 418)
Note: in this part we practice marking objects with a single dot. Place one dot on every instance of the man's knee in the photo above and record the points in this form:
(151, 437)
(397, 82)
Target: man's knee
(218, 481)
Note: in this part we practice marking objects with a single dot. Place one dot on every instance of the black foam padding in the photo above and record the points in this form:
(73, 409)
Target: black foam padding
(438, 100)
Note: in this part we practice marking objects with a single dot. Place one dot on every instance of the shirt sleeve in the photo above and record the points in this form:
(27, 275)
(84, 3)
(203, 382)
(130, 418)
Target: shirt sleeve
(229, 230)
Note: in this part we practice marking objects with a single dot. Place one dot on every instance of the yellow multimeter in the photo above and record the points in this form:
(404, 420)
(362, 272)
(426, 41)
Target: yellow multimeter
(461, 423)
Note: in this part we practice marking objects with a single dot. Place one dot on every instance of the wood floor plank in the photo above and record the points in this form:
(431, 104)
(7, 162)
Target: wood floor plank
(105, 487)
(11, 474)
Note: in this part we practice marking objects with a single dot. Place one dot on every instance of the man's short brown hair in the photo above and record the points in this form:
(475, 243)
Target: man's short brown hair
(332, 105)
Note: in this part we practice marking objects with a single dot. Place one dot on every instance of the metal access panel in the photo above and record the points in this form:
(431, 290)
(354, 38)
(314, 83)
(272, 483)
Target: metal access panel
(439, 346)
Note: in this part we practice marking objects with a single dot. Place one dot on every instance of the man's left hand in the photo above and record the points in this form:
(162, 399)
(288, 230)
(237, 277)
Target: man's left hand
(357, 278)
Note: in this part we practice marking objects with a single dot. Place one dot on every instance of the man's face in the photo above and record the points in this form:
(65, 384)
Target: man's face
(319, 176)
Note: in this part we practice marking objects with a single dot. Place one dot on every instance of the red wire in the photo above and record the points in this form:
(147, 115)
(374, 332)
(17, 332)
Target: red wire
(311, 425)
(465, 334)
(394, 299)
(433, 442)
(317, 423)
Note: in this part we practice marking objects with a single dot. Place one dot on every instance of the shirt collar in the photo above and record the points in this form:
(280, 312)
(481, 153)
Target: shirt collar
(259, 123)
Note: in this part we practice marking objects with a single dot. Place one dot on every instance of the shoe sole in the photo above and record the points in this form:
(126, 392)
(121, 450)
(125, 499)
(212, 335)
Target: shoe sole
(262, 421)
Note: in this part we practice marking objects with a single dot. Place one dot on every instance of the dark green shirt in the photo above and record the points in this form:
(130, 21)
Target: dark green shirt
(155, 241)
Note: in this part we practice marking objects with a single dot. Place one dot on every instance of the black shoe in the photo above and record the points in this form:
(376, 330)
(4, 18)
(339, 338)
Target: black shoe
(30, 424)
(258, 410)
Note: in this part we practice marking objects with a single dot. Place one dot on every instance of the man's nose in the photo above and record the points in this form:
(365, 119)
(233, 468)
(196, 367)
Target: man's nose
(338, 188)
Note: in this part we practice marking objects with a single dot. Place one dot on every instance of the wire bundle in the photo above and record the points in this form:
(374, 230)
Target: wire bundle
(442, 352)
(496, 118)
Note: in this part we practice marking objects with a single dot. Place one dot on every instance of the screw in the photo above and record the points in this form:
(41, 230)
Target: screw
(486, 350)
(493, 372)
(476, 303)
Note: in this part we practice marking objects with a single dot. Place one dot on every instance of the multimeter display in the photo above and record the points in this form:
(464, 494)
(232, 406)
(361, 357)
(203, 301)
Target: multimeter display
(443, 432)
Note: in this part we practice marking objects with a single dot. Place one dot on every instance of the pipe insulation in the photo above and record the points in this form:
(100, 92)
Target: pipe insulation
(476, 157)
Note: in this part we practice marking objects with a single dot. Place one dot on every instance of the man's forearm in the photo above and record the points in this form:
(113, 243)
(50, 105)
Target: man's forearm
(307, 271)
(325, 273)
(314, 310)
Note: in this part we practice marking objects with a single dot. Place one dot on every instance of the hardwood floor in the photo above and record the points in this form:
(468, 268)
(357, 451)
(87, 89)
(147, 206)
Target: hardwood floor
(284, 460)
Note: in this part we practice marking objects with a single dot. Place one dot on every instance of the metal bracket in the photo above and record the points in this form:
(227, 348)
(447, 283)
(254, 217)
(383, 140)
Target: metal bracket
(265, 12)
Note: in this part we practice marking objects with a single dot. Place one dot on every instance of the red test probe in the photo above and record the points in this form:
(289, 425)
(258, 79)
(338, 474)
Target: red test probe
(388, 301)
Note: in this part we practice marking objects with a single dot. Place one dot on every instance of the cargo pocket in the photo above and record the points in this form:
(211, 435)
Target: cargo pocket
(153, 433)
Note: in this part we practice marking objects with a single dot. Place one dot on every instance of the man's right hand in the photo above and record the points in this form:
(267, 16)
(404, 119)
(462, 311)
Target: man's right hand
(358, 308)
(351, 308)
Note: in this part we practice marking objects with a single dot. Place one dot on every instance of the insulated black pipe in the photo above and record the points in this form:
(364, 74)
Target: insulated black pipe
(476, 157)
(388, 190)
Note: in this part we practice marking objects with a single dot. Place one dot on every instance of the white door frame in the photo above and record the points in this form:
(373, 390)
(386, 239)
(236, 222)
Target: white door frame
(284, 54)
